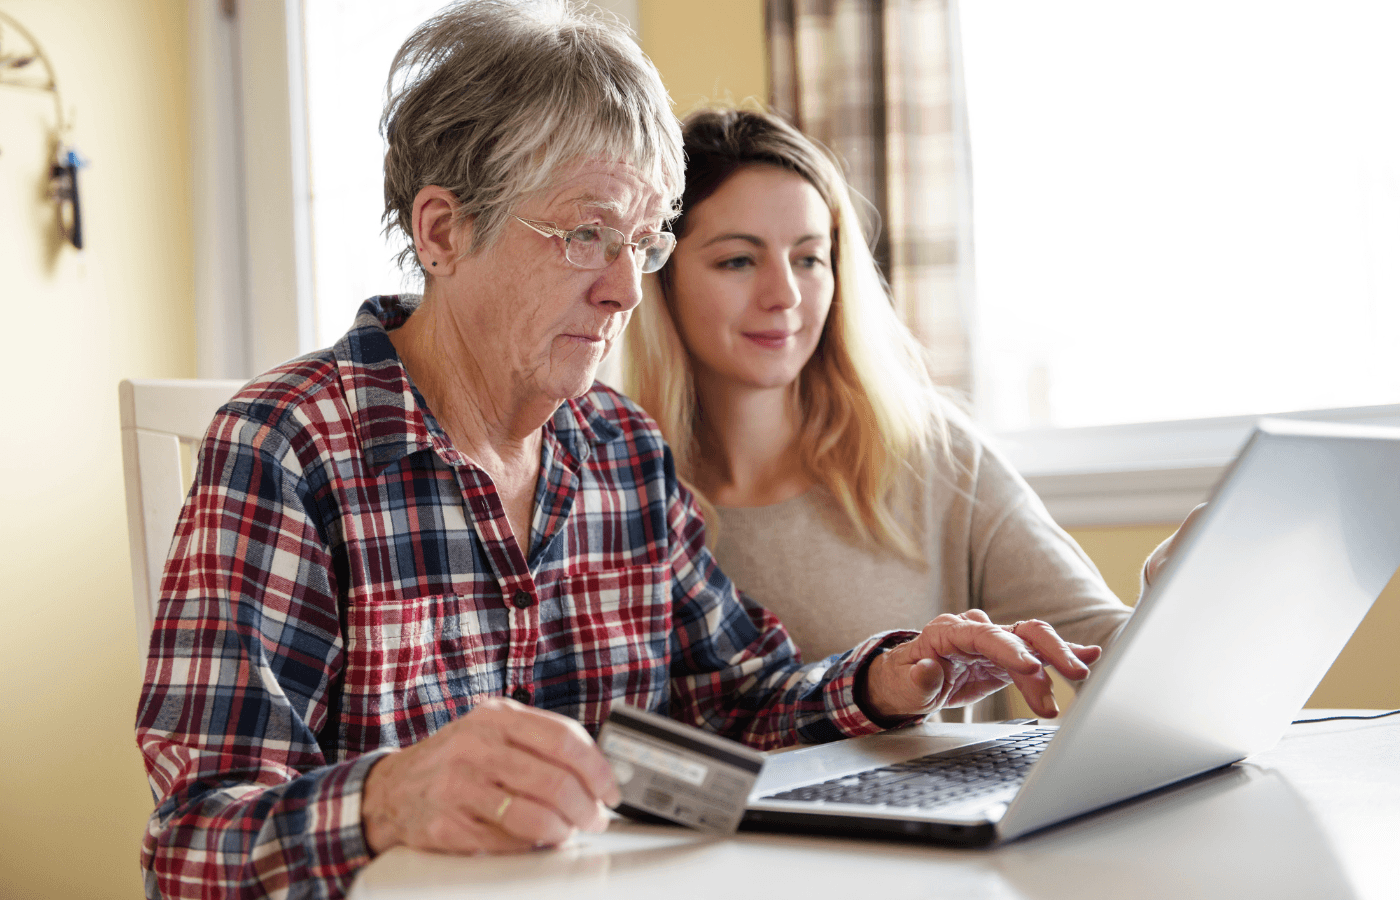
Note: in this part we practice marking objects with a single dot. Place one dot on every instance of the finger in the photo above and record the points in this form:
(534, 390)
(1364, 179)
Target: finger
(1051, 648)
(1038, 691)
(948, 635)
(468, 834)
(926, 677)
(529, 822)
(558, 740)
(454, 822)
(998, 645)
(1158, 559)
(1164, 550)
(534, 781)
(1025, 670)
(542, 756)
(1087, 653)
(1160, 554)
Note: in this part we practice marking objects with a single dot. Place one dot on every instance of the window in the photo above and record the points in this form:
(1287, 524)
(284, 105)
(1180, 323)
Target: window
(1185, 215)
(349, 46)
(1183, 210)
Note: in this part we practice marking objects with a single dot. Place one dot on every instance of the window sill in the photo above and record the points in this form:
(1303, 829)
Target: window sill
(1147, 473)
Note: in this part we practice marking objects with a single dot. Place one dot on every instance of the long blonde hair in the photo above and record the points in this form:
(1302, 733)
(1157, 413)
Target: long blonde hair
(869, 407)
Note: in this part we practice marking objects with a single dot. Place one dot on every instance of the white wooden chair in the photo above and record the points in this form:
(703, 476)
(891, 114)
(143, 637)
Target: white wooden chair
(157, 417)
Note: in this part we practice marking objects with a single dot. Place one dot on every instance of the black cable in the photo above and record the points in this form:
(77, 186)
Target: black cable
(1339, 718)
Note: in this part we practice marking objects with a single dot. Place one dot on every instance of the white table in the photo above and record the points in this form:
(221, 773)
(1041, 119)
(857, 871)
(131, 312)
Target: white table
(1316, 817)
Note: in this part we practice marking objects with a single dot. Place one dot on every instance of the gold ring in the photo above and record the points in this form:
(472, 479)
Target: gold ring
(501, 810)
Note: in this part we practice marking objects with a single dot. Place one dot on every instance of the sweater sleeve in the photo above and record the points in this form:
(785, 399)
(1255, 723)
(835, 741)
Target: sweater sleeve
(1024, 566)
(734, 670)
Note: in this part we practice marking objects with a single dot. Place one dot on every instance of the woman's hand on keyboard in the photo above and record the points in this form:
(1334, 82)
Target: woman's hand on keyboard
(959, 659)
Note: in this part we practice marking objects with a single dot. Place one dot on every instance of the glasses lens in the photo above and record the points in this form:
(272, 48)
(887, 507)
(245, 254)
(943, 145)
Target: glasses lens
(612, 244)
(587, 245)
(595, 246)
(655, 249)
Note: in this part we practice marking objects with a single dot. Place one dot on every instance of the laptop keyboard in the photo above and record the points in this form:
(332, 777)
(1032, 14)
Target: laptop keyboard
(936, 780)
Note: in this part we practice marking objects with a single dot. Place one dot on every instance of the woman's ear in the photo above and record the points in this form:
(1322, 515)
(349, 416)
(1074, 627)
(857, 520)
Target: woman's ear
(438, 241)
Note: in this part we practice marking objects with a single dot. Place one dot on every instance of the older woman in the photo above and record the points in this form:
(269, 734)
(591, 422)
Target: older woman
(417, 568)
(845, 493)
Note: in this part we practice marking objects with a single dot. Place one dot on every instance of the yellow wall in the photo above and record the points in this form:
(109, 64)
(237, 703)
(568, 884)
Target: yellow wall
(1361, 677)
(707, 52)
(73, 797)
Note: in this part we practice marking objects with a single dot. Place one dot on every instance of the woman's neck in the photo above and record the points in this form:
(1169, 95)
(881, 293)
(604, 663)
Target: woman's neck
(748, 446)
(498, 435)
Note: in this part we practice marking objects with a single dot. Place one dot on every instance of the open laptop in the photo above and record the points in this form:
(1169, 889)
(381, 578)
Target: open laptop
(1300, 536)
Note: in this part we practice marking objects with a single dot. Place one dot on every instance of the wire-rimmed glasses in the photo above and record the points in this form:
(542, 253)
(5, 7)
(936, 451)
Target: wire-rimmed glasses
(595, 246)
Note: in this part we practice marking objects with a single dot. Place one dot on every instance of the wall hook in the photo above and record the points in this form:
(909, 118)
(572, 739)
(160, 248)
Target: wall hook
(29, 68)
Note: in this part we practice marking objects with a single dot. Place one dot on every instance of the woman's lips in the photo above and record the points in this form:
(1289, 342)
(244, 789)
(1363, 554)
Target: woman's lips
(769, 339)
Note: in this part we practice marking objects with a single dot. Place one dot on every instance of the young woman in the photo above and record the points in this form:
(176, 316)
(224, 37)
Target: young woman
(843, 491)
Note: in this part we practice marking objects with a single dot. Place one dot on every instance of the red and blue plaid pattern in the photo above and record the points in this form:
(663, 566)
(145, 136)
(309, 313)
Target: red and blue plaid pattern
(343, 580)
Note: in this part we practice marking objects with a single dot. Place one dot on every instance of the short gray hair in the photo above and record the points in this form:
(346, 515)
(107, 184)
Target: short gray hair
(490, 99)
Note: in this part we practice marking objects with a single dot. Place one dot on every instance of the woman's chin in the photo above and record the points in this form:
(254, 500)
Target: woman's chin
(767, 380)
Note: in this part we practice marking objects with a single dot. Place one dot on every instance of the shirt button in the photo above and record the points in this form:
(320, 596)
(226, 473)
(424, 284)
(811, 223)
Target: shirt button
(520, 695)
(522, 599)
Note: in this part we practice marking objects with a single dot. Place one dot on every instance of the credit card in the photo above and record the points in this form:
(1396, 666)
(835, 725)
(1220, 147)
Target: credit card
(678, 772)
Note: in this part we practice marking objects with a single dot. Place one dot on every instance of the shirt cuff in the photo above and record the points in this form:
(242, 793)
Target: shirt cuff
(336, 847)
(846, 713)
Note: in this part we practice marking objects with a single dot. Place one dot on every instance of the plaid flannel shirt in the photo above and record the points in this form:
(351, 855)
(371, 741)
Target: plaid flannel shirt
(343, 580)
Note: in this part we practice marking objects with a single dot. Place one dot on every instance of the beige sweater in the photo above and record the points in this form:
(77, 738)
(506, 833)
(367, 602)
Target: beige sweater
(987, 540)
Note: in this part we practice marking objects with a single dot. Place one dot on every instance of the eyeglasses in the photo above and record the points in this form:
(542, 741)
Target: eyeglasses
(595, 246)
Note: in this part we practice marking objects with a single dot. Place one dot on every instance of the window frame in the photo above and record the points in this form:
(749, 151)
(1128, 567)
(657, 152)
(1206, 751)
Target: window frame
(254, 283)
(1147, 472)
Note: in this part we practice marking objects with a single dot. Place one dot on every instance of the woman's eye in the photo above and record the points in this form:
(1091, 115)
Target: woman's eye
(812, 262)
(735, 262)
(587, 234)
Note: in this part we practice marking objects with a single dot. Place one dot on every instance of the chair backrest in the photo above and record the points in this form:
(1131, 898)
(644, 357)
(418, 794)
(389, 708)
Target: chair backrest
(158, 416)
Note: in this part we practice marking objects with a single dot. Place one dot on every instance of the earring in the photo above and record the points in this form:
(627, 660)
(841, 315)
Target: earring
(434, 262)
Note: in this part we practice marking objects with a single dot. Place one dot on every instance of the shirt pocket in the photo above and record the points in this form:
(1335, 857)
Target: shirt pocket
(620, 624)
(412, 666)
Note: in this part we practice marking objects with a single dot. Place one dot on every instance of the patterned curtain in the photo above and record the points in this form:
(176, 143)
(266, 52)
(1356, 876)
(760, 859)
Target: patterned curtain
(878, 82)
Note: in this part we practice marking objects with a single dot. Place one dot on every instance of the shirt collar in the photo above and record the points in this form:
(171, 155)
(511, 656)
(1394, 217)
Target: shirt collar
(386, 413)
(578, 426)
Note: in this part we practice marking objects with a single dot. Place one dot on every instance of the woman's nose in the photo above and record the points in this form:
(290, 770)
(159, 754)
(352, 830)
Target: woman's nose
(619, 286)
(780, 288)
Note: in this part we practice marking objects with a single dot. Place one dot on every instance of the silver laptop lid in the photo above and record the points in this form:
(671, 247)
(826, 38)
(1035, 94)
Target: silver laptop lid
(1300, 536)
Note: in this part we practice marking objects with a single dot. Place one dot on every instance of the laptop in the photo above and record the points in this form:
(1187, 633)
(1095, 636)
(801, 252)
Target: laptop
(1261, 594)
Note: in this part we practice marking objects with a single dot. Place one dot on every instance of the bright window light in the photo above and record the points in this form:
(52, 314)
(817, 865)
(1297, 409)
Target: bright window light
(349, 45)
(1183, 210)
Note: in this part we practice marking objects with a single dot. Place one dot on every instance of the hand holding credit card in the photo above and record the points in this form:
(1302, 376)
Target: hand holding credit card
(678, 772)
